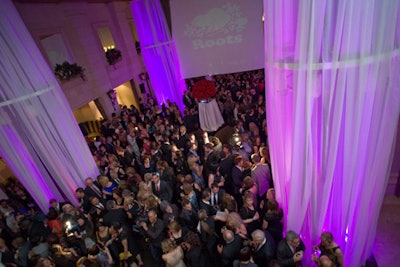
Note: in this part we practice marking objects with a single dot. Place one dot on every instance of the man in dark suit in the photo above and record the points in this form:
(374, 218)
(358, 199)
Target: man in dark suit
(263, 247)
(216, 195)
(161, 188)
(237, 178)
(84, 201)
(99, 205)
(188, 216)
(290, 250)
(92, 188)
(225, 167)
(154, 229)
(206, 204)
(115, 214)
(230, 251)
(211, 159)
(57, 205)
(188, 100)
(182, 141)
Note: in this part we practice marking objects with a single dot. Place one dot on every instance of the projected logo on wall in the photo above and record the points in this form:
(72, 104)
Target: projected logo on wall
(218, 27)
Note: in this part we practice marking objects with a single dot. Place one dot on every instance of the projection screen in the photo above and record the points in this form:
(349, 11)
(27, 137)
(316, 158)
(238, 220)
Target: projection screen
(218, 36)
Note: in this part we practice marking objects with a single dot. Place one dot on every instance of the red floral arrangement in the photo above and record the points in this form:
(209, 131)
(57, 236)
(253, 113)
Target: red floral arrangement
(204, 89)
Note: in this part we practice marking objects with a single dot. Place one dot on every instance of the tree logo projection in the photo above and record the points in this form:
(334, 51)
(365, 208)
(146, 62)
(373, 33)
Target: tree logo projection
(218, 27)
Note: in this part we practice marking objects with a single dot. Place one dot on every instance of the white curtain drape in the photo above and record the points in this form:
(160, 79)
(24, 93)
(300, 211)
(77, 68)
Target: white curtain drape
(332, 70)
(39, 138)
(158, 51)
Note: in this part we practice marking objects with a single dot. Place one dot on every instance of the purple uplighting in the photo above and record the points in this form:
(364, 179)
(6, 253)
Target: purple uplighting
(158, 50)
(37, 185)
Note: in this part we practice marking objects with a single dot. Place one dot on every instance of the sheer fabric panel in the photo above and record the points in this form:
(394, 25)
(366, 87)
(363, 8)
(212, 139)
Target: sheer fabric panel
(41, 141)
(158, 51)
(332, 71)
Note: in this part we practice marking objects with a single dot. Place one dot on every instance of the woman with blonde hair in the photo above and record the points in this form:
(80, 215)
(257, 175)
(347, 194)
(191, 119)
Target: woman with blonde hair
(173, 254)
(144, 192)
(235, 223)
(107, 187)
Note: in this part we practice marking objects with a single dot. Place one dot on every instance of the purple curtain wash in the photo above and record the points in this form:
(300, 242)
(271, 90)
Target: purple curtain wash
(39, 137)
(158, 51)
(332, 76)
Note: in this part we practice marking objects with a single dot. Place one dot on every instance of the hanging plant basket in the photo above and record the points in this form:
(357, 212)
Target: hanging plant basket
(113, 55)
(67, 71)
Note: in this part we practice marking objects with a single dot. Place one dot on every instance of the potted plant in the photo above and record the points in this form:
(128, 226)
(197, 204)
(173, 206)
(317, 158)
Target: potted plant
(67, 71)
(113, 55)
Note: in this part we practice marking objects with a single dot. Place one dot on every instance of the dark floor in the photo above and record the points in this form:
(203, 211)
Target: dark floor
(386, 248)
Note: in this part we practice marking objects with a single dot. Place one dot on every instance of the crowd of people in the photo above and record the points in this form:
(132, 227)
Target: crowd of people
(167, 186)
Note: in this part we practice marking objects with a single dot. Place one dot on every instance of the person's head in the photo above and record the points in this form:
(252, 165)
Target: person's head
(202, 214)
(182, 129)
(255, 158)
(80, 192)
(228, 236)
(4, 203)
(18, 242)
(152, 215)
(165, 207)
(146, 160)
(226, 149)
(148, 177)
(68, 208)
(168, 245)
(174, 226)
(272, 205)
(155, 177)
(115, 226)
(193, 146)
(89, 182)
(245, 254)
(206, 194)
(45, 262)
(215, 187)
(292, 238)
(93, 251)
(208, 147)
(110, 204)
(192, 240)
(326, 239)
(103, 180)
(53, 203)
(270, 194)
(101, 226)
(94, 201)
(85, 262)
(263, 151)
(52, 214)
(234, 221)
(2, 243)
(186, 205)
(81, 220)
(248, 199)
(117, 193)
(238, 160)
(258, 236)
(248, 182)
(187, 188)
